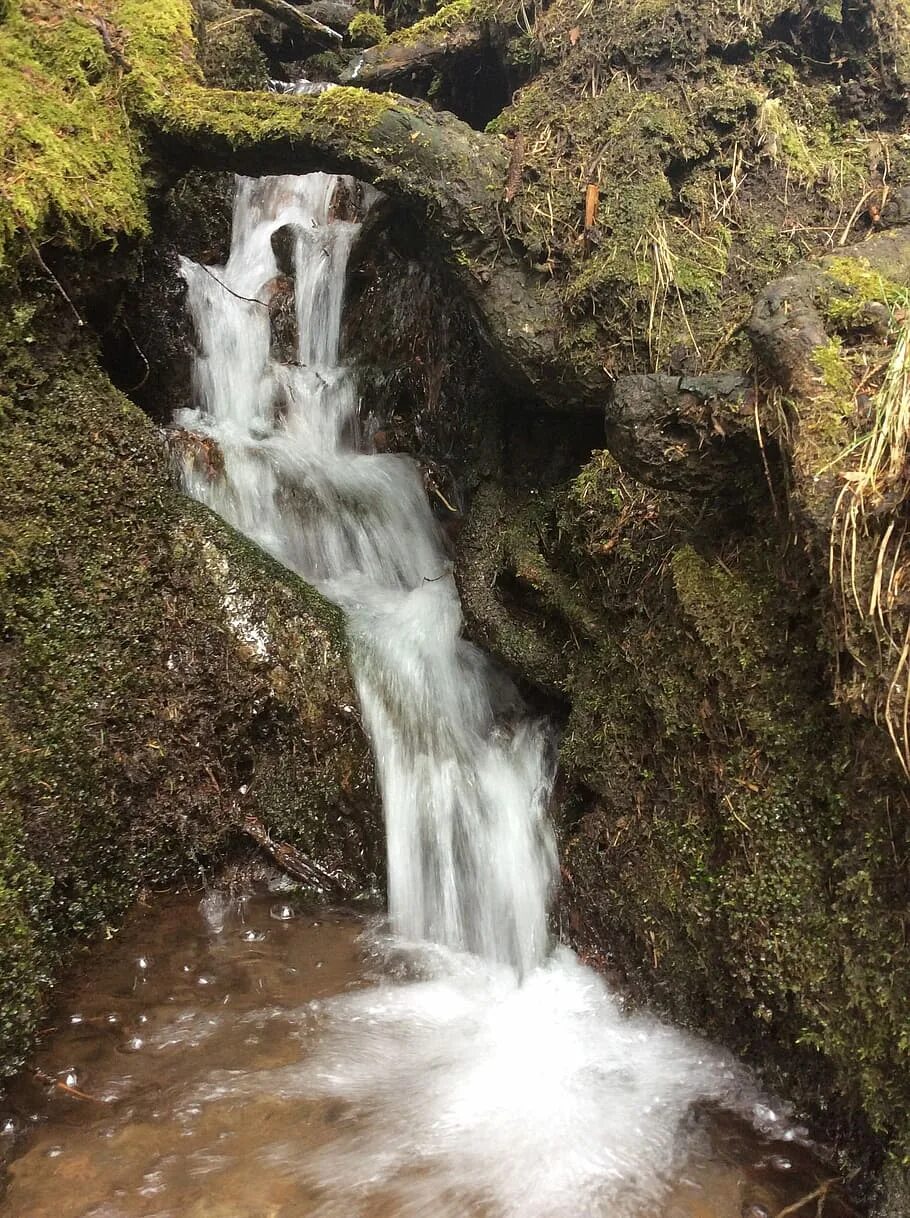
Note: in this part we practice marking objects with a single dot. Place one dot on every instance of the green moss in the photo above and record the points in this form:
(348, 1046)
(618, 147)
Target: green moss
(725, 609)
(700, 173)
(229, 55)
(858, 285)
(833, 370)
(366, 30)
(815, 149)
(71, 162)
(450, 17)
(152, 664)
(734, 840)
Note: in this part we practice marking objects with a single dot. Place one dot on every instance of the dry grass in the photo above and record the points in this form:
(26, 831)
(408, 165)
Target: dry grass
(868, 564)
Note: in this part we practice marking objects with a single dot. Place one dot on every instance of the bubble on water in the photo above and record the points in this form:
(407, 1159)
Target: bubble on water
(216, 909)
(75, 1019)
(70, 1077)
(205, 979)
(133, 1045)
(779, 1163)
(282, 912)
(143, 963)
(54, 1152)
(253, 936)
(9, 1127)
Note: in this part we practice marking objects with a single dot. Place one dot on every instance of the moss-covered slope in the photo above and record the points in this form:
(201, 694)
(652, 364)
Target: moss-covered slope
(159, 678)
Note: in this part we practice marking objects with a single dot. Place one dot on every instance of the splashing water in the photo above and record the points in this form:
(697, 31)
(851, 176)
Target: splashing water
(503, 1079)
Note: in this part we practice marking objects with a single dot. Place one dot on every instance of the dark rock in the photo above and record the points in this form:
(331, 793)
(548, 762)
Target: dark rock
(683, 433)
(281, 296)
(896, 210)
(334, 13)
(283, 242)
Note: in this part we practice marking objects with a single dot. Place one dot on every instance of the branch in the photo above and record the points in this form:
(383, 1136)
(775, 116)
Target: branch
(401, 56)
(298, 20)
(291, 860)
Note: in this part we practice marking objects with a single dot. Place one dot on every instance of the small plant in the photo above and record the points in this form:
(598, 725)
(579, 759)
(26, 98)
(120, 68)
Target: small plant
(871, 515)
(366, 30)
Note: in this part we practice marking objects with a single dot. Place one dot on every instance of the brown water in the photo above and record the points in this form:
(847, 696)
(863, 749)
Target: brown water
(140, 1104)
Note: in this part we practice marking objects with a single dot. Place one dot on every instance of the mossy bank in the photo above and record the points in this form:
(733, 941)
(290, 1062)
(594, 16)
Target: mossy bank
(160, 679)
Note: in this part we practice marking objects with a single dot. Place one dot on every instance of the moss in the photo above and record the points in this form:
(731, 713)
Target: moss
(450, 17)
(366, 29)
(857, 286)
(833, 371)
(229, 55)
(723, 606)
(71, 162)
(711, 179)
(733, 841)
(153, 667)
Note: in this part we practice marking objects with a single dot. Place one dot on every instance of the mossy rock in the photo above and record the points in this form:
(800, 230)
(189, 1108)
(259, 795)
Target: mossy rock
(733, 843)
(366, 30)
(159, 679)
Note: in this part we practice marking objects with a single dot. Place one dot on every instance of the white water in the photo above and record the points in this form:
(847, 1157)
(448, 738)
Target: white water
(505, 1076)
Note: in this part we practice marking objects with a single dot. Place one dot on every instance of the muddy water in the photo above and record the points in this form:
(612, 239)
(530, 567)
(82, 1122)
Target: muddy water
(158, 1091)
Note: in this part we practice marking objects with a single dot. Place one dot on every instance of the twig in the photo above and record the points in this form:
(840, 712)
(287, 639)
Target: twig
(244, 16)
(297, 19)
(74, 1091)
(142, 356)
(817, 1194)
(236, 295)
(289, 858)
(47, 270)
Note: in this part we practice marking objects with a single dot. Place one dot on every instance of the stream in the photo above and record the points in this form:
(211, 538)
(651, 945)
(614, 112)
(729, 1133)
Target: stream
(247, 1058)
(256, 1057)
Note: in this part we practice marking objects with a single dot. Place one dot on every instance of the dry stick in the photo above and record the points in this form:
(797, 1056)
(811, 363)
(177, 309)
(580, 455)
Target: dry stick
(764, 461)
(218, 25)
(817, 1194)
(297, 19)
(142, 356)
(74, 1091)
(289, 858)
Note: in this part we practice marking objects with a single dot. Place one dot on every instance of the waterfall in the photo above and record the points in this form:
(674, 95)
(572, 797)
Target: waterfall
(505, 1072)
(464, 774)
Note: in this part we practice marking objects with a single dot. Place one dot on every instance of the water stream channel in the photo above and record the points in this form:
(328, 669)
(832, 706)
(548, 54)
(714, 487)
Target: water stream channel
(246, 1058)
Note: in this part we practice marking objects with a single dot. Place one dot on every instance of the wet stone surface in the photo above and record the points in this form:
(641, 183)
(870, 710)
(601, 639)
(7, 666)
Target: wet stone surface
(166, 1085)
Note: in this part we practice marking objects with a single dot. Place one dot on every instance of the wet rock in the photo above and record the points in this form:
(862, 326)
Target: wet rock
(281, 297)
(284, 240)
(896, 210)
(683, 433)
(197, 452)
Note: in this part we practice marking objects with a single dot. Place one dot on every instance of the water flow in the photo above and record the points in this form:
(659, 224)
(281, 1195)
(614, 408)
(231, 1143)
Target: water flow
(503, 1079)
(465, 776)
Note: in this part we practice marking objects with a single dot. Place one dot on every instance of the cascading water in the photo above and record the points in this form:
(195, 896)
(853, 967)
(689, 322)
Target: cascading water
(464, 777)
(505, 1080)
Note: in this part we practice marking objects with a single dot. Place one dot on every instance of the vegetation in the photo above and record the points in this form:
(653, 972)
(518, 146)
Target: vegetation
(662, 188)
(154, 669)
